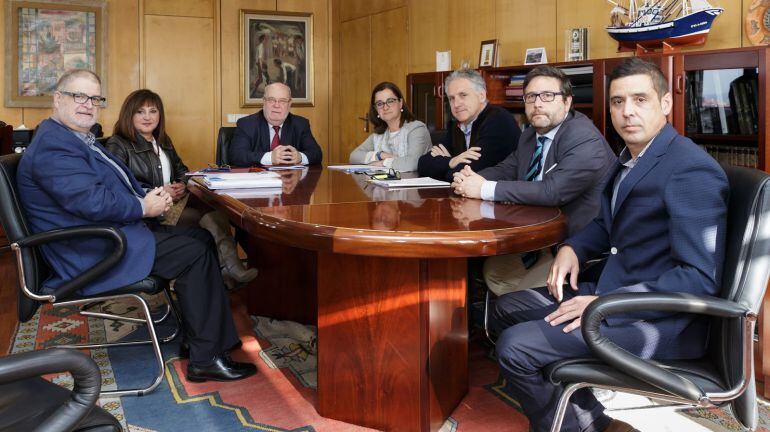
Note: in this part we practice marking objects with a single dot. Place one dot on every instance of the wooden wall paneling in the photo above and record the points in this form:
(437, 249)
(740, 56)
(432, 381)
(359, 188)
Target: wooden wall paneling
(428, 33)
(229, 23)
(335, 108)
(355, 71)
(318, 115)
(122, 58)
(390, 48)
(188, 8)
(596, 17)
(522, 25)
(185, 82)
(727, 30)
(469, 24)
(12, 116)
(353, 9)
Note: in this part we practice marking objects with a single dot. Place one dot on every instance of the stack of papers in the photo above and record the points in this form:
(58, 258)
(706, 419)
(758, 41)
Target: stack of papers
(419, 182)
(358, 168)
(264, 179)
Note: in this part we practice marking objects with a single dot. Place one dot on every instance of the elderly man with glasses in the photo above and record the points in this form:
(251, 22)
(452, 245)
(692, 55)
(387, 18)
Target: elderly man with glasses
(274, 136)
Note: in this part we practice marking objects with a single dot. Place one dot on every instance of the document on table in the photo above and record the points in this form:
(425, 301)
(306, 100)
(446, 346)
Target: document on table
(419, 182)
(358, 168)
(264, 179)
(286, 167)
(251, 192)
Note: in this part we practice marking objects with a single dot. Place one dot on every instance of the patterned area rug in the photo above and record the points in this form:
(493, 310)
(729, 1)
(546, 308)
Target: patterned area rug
(282, 397)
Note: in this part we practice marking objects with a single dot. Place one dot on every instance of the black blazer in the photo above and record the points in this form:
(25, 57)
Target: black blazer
(494, 130)
(251, 139)
(144, 163)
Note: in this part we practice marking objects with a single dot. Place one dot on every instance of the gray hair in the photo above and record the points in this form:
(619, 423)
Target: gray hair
(72, 74)
(473, 76)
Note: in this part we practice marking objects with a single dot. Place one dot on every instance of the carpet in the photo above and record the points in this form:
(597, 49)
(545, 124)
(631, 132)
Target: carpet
(282, 397)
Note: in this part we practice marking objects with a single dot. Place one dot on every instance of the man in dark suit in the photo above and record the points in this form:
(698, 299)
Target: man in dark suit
(273, 136)
(68, 179)
(662, 220)
(560, 161)
(483, 135)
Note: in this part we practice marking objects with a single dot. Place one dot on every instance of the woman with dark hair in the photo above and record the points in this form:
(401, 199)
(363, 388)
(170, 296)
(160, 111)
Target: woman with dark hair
(139, 140)
(398, 140)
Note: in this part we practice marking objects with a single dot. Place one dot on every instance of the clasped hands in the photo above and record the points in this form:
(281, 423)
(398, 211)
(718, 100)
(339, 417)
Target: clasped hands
(177, 190)
(566, 262)
(156, 202)
(285, 155)
(467, 183)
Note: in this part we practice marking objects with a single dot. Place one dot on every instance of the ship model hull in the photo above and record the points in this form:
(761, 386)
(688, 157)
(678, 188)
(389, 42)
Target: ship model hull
(691, 29)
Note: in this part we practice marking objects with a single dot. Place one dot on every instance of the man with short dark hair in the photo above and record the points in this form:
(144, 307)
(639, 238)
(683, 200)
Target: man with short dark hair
(559, 162)
(483, 135)
(274, 136)
(663, 223)
(67, 179)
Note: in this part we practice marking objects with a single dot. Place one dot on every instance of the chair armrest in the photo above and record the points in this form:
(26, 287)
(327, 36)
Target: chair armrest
(630, 364)
(85, 372)
(113, 234)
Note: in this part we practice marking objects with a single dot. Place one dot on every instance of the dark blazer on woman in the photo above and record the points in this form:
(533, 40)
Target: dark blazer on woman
(251, 139)
(494, 130)
(144, 163)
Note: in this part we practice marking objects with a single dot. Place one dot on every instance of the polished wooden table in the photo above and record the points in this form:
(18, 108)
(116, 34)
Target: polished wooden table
(383, 275)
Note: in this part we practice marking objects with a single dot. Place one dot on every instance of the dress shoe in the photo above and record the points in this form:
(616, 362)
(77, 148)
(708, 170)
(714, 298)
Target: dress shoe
(619, 426)
(222, 368)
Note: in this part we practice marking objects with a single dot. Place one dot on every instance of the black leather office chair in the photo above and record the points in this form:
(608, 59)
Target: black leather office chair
(33, 270)
(726, 373)
(28, 402)
(223, 144)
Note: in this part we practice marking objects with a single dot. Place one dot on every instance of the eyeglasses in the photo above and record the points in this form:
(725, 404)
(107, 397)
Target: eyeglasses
(390, 175)
(545, 96)
(274, 101)
(81, 98)
(388, 102)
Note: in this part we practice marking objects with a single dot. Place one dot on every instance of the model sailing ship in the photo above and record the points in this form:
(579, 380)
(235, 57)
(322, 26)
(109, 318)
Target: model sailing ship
(654, 23)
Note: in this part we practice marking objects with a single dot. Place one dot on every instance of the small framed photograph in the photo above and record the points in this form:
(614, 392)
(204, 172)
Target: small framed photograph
(576, 44)
(535, 56)
(488, 53)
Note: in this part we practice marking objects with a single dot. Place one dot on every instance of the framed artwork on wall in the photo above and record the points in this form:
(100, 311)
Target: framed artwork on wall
(45, 38)
(487, 53)
(276, 47)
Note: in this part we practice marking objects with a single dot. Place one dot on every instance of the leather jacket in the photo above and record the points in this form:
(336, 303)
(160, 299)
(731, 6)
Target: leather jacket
(144, 163)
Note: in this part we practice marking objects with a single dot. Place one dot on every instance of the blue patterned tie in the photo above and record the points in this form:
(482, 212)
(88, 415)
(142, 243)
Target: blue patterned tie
(535, 166)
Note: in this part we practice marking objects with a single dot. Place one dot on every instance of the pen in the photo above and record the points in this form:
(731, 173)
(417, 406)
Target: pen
(551, 168)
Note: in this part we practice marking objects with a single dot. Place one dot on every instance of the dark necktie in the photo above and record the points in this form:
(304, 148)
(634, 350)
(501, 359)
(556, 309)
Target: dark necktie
(276, 138)
(535, 166)
(536, 163)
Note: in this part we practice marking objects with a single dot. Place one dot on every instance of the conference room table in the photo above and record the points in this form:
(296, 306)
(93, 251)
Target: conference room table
(382, 273)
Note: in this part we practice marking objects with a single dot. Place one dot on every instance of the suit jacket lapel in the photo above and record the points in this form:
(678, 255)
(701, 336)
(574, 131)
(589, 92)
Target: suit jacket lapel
(263, 130)
(646, 163)
(525, 150)
(287, 131)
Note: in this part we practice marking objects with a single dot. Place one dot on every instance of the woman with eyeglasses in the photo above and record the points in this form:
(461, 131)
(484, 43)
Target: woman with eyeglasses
(139, 140)
(398, 140)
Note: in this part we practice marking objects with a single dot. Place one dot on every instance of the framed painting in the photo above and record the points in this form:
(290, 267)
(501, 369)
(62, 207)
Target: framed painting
(488, 53)
(45, 38)
(276, 47)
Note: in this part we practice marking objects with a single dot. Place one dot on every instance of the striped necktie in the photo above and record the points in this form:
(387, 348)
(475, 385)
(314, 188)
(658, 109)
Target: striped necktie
(536, 164)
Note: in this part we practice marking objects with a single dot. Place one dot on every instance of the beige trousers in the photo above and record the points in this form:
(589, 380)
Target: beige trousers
(506, 273)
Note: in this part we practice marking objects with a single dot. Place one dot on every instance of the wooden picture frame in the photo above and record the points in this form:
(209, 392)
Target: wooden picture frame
(535, 56)
(488, 53)
(276, 47)
(45, 38)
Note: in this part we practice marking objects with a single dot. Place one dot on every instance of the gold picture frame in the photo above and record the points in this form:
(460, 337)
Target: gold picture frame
(45, 38)
(276, 46)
